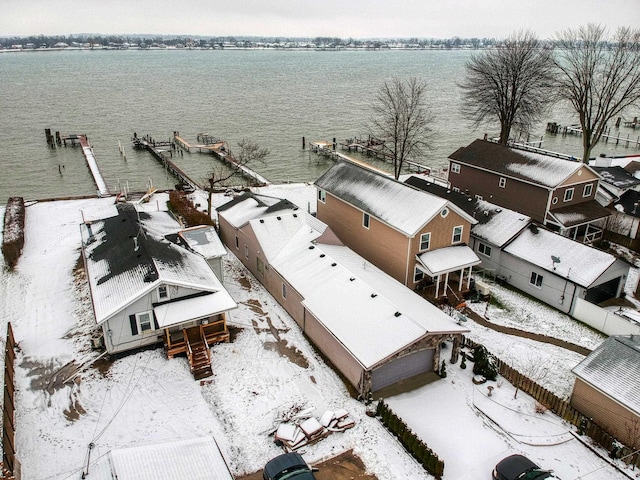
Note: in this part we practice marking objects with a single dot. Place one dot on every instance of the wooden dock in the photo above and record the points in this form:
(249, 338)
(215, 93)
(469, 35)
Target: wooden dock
(219, 149)
(607, 137)
(368, 147)
(87, 151)
(164, 158)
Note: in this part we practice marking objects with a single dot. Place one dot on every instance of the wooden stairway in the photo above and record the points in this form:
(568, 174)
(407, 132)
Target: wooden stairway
(198, 353)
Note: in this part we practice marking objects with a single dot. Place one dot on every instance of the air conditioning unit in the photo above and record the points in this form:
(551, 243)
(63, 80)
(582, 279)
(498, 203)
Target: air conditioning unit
(97, 341)
(483, 288)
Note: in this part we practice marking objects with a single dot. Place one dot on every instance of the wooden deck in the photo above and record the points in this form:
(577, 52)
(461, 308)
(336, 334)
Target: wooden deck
(195, 343)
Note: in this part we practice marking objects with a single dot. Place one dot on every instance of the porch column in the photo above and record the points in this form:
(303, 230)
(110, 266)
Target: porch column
(455, 351)
(469, 277)
(461, 278)
(446, 282)
(575, 232)
(437, 286)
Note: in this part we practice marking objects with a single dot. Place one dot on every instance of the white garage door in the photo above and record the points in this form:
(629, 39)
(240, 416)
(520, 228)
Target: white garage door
(401, 368)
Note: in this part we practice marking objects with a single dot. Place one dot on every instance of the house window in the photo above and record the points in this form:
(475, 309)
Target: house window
(503, 182)
(555, 200)
(457, 234)
(588, 189)
(237, 242)
(162, 292)
(455, 168)
(284, 290)
(322, 196)
(260, 265)
(417, 275)
(425, 240)
(366, 220)
(246, 251)
(455, 189)
(484, 249)
(444, 212)
(145, 321)
(568, 194)
(536, 280)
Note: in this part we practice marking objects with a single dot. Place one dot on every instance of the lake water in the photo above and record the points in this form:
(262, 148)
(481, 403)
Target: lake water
(271, 97)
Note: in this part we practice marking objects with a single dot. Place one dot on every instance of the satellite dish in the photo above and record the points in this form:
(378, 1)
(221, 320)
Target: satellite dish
(555, 259)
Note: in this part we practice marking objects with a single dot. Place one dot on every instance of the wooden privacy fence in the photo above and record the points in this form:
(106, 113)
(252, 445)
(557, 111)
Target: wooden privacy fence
(8, 408)
(563, 409)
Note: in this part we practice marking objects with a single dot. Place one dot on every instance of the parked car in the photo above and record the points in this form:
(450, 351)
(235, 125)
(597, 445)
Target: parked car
(288, 466)
(519, 467)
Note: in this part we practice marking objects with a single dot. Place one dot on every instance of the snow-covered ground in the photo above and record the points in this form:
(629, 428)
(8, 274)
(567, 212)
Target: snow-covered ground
(144, 398)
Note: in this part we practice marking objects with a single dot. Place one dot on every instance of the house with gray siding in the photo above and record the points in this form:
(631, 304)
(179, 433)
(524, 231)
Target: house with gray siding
(554, 269)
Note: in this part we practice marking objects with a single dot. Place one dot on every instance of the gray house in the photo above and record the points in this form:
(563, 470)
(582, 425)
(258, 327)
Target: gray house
(548, 266)
(146, 290)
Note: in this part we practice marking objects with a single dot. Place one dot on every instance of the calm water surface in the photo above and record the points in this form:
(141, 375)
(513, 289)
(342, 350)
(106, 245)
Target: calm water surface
(271, 97)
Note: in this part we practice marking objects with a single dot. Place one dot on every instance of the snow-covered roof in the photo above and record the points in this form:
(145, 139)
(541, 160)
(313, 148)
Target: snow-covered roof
(578, 262)
(629, 203)
(617, 176)
(204, 240)
(127, 257)
(501, 225)
(447, 259)
(195, 459)
(496, 225)
(612, 368)
(370, 313)
(536, 168)
(249, 205)
(578, 213)
(397, 204)
(193, 308)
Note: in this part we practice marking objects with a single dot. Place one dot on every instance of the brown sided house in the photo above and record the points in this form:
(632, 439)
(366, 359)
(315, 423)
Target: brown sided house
(373, 329)
(410, 234)
(556, 192)
(607, 388)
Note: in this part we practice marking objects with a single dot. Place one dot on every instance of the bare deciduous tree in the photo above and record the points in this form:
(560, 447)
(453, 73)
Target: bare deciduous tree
(248, 153)
(599, 77)
(511, 84)
(401, 118)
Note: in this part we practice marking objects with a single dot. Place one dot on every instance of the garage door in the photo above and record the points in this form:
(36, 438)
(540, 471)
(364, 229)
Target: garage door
(401, 368)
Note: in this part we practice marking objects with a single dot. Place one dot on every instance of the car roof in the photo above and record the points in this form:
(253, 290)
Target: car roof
(514, 465)
(286, 462)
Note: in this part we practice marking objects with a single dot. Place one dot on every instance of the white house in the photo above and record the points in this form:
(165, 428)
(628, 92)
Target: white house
(147, 290)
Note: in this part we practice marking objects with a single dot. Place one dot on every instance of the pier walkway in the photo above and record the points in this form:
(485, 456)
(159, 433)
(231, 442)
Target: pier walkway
(606, 136)
(329, 149)
(164, 158)
(220, 149)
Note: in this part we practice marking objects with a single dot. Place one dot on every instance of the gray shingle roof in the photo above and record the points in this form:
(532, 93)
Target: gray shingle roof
(531, 167)
(126, 257)
(613, 369)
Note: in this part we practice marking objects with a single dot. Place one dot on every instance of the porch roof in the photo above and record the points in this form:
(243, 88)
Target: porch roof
(579, 214)
(194, 308)
(447, 259)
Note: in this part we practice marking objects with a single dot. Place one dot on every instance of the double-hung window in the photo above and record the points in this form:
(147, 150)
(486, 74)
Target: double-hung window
(536, 280)
(457, 234)
(568, 194)
(145, 321)
(425, 241)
